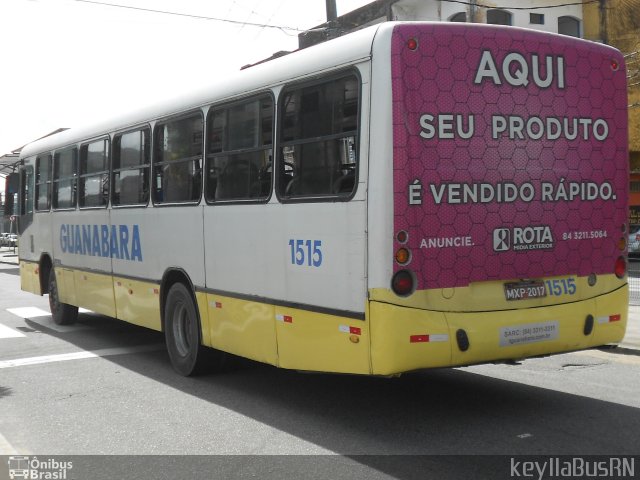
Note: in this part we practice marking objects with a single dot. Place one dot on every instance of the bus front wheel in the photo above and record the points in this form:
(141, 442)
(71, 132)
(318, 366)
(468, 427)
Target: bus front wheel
(62, 313)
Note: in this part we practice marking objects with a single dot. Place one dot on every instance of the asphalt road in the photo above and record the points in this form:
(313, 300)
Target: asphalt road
(103, 387)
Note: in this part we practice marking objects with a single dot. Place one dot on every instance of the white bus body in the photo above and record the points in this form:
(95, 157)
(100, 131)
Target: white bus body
(305, 282)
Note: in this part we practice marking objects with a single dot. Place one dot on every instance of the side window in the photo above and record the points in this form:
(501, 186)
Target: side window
(43, 182)
(177, 160)
(131, 159)
(239, 151)
(94, 174)
(26, 189)
(318, 139)
(65, 172)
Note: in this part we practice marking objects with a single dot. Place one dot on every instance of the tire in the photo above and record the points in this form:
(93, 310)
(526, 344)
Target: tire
(182, 335)
(62, 313)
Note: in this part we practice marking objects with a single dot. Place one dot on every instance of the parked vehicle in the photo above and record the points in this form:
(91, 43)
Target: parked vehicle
(634, 241)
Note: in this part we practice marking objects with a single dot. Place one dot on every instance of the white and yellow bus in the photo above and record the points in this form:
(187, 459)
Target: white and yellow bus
(408, 196)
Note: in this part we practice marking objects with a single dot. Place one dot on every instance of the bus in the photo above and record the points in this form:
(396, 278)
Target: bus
(408, 196)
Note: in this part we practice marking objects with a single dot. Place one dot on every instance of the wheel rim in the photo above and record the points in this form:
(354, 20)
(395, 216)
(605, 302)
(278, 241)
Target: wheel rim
(181, 329)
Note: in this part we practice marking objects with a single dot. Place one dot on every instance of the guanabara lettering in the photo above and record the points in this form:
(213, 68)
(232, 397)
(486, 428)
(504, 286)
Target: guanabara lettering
(115, 241)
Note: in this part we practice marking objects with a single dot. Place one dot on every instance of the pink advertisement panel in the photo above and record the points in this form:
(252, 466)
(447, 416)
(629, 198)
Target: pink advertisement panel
(510, 153)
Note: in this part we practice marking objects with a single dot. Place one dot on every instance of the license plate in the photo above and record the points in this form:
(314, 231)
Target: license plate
(524, 290)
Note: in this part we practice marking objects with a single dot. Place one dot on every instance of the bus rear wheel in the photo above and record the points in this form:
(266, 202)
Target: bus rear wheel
(62, 313)
(182, 334)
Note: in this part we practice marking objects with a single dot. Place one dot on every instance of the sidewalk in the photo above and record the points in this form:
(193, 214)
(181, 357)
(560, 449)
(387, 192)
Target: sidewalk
(630, 341)
(7, 255)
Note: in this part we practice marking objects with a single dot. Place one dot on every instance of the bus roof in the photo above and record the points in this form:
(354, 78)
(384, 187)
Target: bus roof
(341, 51)
(333, 54)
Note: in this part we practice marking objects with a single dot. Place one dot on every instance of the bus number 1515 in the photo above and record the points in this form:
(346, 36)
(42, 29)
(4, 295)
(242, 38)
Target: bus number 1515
(306, 252)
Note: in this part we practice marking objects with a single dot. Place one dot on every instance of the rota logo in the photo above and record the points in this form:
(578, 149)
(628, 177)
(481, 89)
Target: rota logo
(522, 238)
(501, 239)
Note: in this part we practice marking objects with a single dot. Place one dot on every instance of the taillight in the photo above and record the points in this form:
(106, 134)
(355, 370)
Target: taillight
(621, 267)
(403, 256)
(622, 244)
(402, 283)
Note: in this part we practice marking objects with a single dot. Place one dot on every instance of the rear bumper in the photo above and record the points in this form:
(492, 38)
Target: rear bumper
(404, 339)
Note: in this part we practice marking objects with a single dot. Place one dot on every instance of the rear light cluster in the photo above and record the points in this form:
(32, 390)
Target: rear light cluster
(403, 282)
(621, 267)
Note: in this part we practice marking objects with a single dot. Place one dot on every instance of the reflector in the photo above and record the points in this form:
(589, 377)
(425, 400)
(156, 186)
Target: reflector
(621, 267)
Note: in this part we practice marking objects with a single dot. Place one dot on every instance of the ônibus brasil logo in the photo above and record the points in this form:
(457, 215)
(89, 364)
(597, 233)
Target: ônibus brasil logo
(34, 469)
(522, 238)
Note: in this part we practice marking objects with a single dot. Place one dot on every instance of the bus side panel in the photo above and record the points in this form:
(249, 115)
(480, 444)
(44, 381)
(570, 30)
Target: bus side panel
(203, 310)
(94, 291)
(30, 277)
(83, 242)
(35, 241)
(320, 342)
(66, 285)
(404, 339)
(243, 328)
(137, 302)
(159, 239)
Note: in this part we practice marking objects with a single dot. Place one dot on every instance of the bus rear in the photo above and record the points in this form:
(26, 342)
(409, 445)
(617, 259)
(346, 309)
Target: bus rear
(510, 185)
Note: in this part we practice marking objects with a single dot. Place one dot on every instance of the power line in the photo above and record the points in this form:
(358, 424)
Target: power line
(188, 15)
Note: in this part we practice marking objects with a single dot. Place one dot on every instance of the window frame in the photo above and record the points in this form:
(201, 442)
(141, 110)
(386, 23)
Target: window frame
(226, 106)
(538, 17)
(575, 21)
(48, 182)
(140, 167)
(83, 176)
(280, 144)
(27, 188)
(501, 11)
(57, 180)
(155, 164)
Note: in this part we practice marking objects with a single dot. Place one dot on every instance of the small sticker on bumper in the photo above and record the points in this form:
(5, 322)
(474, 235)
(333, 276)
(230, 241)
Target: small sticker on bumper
(529, 333)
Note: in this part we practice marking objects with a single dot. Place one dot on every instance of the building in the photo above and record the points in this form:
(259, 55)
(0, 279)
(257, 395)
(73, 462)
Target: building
(539, 14)
(9, 166)
(617, 22)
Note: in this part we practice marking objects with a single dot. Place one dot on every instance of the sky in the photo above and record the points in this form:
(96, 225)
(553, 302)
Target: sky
(67, 62)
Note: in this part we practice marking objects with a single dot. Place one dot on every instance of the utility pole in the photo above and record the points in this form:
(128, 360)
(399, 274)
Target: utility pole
(604, 36)
(472, 11)
(332, 11)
